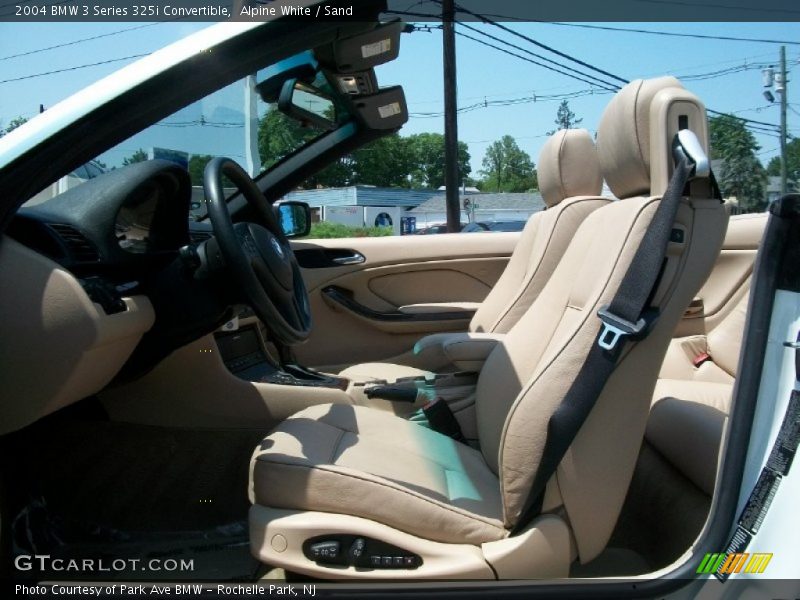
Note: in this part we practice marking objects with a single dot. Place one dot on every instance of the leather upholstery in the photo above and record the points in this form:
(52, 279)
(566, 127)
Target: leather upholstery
(570, 181)
(691, 402)
(339, 458)
(524, 380)
(366, 372)
(686, 425)
(568, 166)
(623, 136)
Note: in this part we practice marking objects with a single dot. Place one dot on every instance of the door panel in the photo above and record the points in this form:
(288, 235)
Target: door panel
(421, 285)
(730, 278)
(446, 274)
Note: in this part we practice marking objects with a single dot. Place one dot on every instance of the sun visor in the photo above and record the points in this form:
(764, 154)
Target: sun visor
(363, 51)
(386, 109)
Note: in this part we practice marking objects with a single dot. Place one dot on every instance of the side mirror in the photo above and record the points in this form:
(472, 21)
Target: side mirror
(294, 218)
(307, 104)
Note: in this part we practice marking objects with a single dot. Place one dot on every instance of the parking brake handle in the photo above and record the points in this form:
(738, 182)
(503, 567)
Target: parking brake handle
(394, 393)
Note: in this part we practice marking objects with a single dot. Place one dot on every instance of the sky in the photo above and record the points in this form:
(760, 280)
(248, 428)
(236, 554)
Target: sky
(484, 75)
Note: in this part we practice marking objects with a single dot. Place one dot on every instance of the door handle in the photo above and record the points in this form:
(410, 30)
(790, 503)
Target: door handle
(354, 259)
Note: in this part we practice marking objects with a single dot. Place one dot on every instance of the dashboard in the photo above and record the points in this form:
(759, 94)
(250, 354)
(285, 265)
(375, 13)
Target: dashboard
(120, 224)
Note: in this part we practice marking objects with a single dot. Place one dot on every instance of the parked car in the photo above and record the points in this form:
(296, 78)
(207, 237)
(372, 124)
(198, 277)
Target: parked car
(432, 229)
(489, 226)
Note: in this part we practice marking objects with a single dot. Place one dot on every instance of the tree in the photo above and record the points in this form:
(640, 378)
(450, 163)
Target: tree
(507, 168)
(427, 151)
(385, 162)
(279, 136)
(137, 157)
(792, 163)
(742, 175)
(13, 124)
(390, 161)
(197, 167)
(565, 118)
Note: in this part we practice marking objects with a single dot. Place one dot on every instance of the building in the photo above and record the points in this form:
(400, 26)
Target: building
(363, 205)
(405, 210)
(483, 207)
(773, 188)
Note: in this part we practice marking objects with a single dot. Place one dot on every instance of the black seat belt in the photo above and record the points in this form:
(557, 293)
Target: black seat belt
(627, 316)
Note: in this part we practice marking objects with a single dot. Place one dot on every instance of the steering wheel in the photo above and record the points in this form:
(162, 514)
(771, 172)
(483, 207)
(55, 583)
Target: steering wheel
(258, 257)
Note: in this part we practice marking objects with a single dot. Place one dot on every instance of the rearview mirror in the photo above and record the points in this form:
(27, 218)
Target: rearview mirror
(307, 104)
(294, 218)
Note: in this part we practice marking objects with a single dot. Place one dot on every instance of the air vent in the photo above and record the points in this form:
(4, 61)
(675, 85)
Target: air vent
(80, 248)
(198, 237)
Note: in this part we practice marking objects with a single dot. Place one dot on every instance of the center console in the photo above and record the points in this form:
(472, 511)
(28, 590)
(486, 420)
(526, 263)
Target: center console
(244, 353)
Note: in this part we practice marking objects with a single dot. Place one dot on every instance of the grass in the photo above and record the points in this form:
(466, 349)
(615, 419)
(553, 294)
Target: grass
(328, 230)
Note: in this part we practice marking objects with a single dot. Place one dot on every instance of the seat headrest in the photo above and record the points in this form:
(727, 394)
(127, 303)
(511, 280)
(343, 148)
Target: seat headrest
(623, 137)
(568, 166)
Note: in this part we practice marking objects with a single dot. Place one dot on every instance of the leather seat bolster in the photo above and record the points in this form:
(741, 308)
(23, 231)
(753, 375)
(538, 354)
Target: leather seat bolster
(338, 458)
(686, 425)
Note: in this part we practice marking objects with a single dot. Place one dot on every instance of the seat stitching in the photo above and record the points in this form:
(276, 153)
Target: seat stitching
(646, 203)
(336, 445)
(452, 509)
(562, 210)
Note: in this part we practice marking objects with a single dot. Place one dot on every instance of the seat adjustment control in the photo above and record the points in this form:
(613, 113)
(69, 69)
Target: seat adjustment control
(358, 552)
(357, 549)
(324, 550)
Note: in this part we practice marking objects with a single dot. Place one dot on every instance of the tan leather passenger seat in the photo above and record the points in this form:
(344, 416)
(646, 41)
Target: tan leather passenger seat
(341, 470)
(674, 479)
(692, 398)
(570, 183)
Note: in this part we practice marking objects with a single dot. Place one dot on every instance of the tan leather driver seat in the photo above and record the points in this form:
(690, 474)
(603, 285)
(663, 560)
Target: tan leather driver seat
(570, 183)
(347, 491)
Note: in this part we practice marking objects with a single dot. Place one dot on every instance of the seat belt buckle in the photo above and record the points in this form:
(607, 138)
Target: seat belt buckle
(615, 328)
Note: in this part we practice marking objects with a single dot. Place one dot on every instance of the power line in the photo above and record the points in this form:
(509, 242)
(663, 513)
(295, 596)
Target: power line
(75, 68)
(201, 122)
(515, 101)
(543, 46)
(729, 71)
(758, 126)
(754, 122)
(725, 38)
(580, 76)
(80, 41)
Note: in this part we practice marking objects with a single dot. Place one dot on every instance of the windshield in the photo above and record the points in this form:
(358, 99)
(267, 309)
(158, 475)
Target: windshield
(234, 121)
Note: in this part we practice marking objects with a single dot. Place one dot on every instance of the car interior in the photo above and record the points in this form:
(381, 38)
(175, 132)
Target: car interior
(280, 407)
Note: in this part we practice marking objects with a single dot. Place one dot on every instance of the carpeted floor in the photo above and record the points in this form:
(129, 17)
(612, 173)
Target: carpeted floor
(91, 488)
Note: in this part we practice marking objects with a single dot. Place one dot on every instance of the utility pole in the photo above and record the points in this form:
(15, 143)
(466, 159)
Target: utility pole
(782, 89)
(451, 174)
